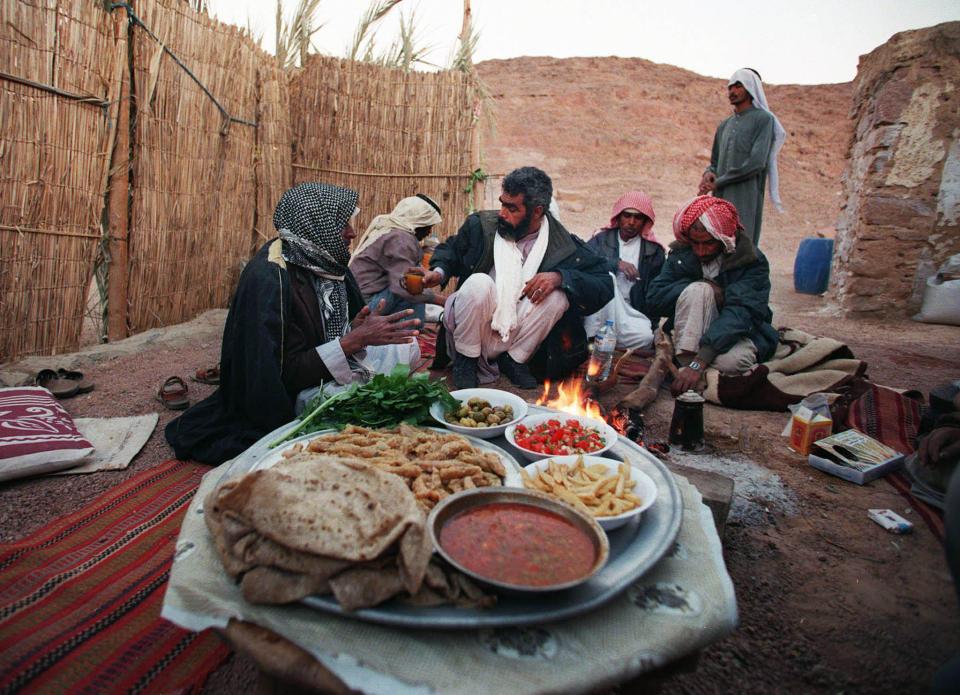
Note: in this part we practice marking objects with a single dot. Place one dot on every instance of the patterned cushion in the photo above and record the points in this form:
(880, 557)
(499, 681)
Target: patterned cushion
(36, 434)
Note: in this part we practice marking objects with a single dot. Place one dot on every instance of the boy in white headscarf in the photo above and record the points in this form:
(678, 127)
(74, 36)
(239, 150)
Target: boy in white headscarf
(745, 149)
(388, 248)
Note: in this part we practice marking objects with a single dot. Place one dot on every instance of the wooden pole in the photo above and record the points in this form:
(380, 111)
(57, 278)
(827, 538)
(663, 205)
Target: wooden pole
(118, 203)
(476, 144)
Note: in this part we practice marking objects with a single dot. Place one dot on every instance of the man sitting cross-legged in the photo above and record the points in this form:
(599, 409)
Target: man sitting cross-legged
(525, 284)
(714, 290)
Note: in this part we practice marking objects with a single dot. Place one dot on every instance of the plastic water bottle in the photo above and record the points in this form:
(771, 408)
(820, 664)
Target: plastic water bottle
(601, 359)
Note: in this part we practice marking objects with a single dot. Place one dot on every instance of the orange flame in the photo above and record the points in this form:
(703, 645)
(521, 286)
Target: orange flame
(571, 398)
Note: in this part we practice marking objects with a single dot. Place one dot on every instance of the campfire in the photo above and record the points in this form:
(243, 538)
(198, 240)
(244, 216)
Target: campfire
(574, 396)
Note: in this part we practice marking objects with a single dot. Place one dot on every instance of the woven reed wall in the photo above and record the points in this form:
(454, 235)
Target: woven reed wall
(274, 174)
(53, 160)
(385, 133)
(194, 199)
(202, 192)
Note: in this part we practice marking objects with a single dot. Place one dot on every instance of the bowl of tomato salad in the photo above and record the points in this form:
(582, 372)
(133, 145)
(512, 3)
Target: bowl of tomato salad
(560, 434)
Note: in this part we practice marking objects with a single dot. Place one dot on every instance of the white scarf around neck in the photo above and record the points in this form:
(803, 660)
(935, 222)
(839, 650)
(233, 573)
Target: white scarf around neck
(512, 274)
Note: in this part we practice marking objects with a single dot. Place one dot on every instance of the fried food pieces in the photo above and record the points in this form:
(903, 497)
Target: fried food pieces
(432, 464)
(589, 488)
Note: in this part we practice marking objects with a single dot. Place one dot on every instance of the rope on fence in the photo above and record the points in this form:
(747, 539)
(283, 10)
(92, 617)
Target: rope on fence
(55, 232)
(376, 174)
(82, 98)
(134, 19)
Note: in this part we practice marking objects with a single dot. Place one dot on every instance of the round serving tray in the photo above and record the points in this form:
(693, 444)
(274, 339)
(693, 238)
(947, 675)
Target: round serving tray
(634, 549)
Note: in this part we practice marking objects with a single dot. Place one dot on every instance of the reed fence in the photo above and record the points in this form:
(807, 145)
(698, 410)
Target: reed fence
(386, 133)
(143, 149)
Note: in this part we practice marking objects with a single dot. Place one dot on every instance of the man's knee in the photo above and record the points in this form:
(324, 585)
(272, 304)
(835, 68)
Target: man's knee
(478, 284)
(739, 359)
(695, 294)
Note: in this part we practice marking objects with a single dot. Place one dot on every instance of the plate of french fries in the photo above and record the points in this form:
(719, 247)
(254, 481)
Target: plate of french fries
(613, 492)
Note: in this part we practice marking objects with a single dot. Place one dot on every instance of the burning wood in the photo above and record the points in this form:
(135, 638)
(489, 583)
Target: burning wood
(646, 392)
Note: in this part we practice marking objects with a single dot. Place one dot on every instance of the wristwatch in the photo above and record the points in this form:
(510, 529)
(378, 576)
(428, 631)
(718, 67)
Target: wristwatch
(696, 366)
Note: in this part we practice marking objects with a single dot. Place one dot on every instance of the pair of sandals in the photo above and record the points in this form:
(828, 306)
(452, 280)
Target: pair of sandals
(173, 391)
(63, 383)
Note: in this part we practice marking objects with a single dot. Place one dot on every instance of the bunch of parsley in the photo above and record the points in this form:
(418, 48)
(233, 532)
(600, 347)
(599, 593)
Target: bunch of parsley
(384, 401)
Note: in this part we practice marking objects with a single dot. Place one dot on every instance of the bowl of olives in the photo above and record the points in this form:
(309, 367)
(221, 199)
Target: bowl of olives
(483, 413)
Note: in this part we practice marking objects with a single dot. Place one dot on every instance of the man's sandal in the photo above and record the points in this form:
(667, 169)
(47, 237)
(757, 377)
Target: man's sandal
(83, 385)
(207, 376)
(52, 382)
(173, 394)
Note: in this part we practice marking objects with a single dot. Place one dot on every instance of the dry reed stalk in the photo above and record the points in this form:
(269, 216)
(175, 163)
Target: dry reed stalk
(53, 158)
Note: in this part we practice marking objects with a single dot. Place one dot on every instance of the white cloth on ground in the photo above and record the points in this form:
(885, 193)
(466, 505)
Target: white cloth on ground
(379, 359)
(696, 310)
(633, 328)
(513, 271)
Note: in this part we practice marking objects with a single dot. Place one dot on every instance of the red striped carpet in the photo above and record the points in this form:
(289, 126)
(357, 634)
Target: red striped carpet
(80, 599)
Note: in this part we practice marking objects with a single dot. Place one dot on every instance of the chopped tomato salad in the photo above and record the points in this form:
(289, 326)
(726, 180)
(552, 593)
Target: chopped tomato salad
(556, 438)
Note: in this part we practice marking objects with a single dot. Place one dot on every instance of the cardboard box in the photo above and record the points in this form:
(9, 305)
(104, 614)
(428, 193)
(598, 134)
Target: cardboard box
(827, 455)
(806, 428)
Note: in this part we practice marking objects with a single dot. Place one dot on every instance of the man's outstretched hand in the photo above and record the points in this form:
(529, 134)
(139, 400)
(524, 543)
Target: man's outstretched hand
(373, 328)
(685, 380)
(708, 183)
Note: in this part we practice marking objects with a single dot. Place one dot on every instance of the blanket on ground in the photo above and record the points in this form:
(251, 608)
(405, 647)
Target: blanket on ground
(802, 364)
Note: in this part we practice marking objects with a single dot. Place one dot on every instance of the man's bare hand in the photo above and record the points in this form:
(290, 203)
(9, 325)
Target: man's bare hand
(431, 278)
(685, 380)
(708, 183)
(373, 328)
(540, 285)
(629, 270)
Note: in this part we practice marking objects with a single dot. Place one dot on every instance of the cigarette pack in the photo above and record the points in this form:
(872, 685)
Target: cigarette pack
(854, 456)
(890, 520)
(806, 428)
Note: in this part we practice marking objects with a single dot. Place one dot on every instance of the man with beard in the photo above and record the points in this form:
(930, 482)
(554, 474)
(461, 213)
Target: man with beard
(524, 285)
(744, 155)
(714, 290)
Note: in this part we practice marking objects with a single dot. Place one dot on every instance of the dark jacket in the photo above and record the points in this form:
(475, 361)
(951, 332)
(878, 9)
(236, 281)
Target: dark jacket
(652, 255)
(745, 279)
(267, 357)
(584, 279)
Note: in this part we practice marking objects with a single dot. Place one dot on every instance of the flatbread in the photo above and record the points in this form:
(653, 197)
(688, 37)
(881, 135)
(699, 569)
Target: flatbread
(312, 517)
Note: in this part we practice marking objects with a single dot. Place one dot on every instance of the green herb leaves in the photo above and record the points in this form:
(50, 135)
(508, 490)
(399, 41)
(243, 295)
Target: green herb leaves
(384, 401)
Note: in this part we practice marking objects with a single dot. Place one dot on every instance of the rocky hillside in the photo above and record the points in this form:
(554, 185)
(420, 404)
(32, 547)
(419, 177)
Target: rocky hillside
(602, 126)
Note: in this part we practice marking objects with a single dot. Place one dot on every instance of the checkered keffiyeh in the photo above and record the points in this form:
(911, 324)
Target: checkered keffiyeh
(717, 215)
(637, 200)
(310, 219)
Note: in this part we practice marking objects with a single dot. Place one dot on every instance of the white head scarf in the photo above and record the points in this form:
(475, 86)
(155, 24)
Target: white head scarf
(409, 214)
(748, 78)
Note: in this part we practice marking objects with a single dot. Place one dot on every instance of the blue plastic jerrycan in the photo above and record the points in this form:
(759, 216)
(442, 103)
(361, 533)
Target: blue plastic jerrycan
(811, 268)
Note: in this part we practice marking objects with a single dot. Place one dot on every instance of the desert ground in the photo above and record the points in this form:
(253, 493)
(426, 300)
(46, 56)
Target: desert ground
(828, 600)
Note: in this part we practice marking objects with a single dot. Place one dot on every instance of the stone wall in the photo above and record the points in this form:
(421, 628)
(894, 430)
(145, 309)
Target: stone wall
(901, 216)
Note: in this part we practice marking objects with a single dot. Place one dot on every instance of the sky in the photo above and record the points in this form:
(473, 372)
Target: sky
(788, 42)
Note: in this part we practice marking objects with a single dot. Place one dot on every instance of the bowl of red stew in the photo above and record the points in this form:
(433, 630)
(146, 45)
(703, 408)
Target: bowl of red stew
(560, 434)
(518, 540)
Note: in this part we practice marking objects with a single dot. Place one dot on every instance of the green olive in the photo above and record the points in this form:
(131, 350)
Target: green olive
(468, 422)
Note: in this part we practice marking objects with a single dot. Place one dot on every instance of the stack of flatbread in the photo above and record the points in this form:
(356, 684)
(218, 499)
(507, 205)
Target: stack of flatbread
(315, 524)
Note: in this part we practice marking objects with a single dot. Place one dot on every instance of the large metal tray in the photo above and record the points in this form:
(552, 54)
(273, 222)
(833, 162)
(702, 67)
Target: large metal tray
(634, 549)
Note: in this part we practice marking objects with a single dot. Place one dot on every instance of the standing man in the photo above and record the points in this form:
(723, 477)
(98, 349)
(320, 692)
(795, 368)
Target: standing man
(525, 284)
(714, 290)
(634, 258)
(745, 149)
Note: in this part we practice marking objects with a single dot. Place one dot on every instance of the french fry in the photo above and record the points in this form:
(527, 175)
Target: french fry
(590, 488)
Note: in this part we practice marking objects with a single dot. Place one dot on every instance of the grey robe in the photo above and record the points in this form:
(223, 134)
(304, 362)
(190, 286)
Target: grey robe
(741, 148)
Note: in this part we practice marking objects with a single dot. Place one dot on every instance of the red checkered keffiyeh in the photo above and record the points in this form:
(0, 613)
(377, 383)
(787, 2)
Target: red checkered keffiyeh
(718, 216)
(637, 200)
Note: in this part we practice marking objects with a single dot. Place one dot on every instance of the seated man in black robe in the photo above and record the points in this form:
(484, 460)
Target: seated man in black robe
(297, 319)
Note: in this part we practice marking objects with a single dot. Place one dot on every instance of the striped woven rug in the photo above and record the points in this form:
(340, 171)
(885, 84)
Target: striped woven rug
(80, 599)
